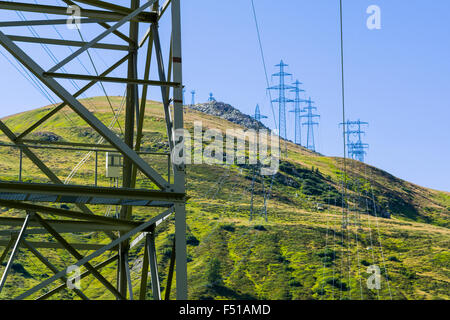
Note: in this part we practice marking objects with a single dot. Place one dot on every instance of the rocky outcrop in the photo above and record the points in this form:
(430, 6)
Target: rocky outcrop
(47, 136)
(228, 112)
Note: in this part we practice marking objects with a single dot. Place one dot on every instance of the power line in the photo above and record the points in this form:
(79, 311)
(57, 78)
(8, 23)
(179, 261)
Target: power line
(264, 62)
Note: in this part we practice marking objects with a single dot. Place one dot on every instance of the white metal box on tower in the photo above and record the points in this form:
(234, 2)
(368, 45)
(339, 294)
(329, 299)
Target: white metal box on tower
(113, 164)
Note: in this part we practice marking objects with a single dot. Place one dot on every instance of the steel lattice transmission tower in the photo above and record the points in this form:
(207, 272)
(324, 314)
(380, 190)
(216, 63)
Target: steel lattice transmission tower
(211, 97)
(163, 197)
(193, 98)
(282, 87)
(258, 116)
(297, 112)
(310, 123)
(356, 149)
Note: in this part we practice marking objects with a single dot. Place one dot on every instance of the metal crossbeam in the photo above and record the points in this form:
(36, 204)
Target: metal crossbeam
(163, 84)
(67, 225)
(106, 5)
(86, 194)
(99, 14)
(55, 245)
(69, 43)
(48, 22)
(66, 213)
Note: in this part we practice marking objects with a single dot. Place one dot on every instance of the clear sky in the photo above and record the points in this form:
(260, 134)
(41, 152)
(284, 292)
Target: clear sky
(397, 78)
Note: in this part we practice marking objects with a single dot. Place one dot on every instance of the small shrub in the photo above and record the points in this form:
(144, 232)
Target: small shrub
(260, 228)
(294, 283)
(228, 227)
(192, 240)
(365, 263)
(393, 258)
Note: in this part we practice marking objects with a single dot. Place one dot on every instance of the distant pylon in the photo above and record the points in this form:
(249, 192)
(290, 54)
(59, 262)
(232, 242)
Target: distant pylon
(257, 168)
(355, 149)
(310, 123)
(193, 97)
(258, 115)
(211, 97)
(282, 100)
(297, 112)
(184, 101)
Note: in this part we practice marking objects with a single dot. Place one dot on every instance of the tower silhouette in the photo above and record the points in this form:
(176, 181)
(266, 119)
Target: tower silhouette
(356, 149)
(211, 97)
(257, 168)
(282, 100)
(258, 115)
(310, 123)
(193, 97)
(297, 112)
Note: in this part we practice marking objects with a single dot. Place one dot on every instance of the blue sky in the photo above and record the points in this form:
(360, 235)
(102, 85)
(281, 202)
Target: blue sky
(397, 78)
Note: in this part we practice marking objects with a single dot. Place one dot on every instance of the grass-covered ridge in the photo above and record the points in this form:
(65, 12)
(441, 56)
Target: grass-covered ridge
(300, 253)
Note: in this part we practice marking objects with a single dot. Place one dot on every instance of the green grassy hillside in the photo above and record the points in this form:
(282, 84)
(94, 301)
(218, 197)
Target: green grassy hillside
(300, 253)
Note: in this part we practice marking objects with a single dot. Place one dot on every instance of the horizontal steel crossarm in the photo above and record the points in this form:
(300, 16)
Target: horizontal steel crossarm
(75, 146)
(97, 253)
(71, 146)
(111, 79)
(12, 232)
(69, 43)
(89, 194)
(107, 6)
(85, 114)
(55, 245)
(66, 213)
(67, 225)
(101, 36)
(48, 22)
(100, 14)
(76, 94)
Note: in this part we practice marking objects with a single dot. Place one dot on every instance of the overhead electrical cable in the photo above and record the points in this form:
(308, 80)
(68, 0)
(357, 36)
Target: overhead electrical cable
(264, 63)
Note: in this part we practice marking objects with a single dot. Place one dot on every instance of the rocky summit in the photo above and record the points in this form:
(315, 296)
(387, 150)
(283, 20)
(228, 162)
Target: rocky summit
(230, 113)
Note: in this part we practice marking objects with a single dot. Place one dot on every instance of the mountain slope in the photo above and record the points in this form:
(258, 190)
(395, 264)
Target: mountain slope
(300, 253)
